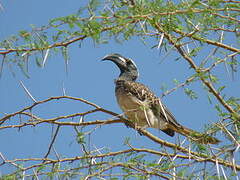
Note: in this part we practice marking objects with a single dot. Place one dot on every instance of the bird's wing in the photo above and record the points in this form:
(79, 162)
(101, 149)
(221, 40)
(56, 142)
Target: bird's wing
(143, 93)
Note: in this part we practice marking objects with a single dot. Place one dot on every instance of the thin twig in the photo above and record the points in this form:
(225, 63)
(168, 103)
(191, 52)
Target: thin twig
(53, 140)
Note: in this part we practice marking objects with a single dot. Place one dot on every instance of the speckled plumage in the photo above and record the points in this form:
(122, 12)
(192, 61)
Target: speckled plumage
(142, 107)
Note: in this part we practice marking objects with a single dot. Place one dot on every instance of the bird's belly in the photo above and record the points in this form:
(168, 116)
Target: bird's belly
(138, 112)
(131, 108)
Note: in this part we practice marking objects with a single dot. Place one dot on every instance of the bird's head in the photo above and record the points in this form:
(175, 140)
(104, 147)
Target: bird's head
(127, 67)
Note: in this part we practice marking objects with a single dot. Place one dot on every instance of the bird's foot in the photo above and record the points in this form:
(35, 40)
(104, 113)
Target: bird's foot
(130, 124)
(140, 129)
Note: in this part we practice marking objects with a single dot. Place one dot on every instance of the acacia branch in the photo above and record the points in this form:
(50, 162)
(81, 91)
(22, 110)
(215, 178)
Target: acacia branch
(59, 44)
(46, 161)
(188, 80)
(208, 41)
(195, 67)
(2, 120)
(62, 44)
(120, 119)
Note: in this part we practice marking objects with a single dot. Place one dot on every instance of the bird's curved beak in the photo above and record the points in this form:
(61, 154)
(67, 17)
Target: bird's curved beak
(117, 59)
(110, 57)
(107, 57)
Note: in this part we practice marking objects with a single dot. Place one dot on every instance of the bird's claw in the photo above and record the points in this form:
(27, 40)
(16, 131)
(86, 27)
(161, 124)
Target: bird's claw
(129, 124)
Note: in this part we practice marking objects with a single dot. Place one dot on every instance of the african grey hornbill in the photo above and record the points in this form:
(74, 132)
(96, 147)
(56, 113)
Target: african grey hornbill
(143, 107)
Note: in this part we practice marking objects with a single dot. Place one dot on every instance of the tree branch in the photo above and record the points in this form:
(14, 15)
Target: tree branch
(196, 68)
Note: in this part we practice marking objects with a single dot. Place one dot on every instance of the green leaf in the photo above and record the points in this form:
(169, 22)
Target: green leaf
(38, 61)
(24, 69)
(201, 148)
(93, 4)
(190, 93)
(80, 138)
(209, 98)
(176, 82)
(127, 141)
(221, 88)
(24, 34)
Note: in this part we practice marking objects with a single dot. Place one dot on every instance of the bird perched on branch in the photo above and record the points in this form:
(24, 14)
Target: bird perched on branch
(143, 108)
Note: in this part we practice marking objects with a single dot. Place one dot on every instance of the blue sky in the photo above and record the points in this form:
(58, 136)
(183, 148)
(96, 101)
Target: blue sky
(87, 78)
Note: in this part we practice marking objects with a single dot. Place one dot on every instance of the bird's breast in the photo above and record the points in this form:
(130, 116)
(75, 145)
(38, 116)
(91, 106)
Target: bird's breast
(135, 110)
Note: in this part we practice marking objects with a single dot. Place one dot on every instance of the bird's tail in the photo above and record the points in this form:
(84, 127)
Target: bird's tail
(196, 136)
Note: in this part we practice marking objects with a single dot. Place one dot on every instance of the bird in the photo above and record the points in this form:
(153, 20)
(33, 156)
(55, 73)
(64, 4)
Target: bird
(143, 108)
